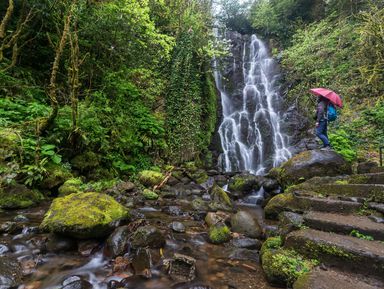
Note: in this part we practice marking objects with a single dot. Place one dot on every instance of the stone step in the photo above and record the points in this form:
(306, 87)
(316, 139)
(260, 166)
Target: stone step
(371, 191)
(369, 178)
(302, 202)
(344, 224)
(332, 279)
(345, 252)
(307, 203)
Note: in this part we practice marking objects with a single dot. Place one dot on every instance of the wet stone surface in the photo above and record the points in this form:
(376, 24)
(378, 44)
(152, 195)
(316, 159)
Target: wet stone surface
(163, 246)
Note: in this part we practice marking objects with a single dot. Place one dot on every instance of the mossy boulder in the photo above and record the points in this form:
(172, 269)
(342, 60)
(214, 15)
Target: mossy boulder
(280, 203)
(199, 176)
(85, 161)
(72, 186)
(309, 164)
(56, 176)
(9, 143)
(219, 234)
(245, 183)
(220, 200)
(150, 195)
(282, 266)
(150, 178)
(84, 215)
(17, 196)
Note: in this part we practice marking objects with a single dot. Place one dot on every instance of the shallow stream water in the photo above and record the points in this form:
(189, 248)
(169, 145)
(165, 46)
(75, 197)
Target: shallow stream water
(46, 266)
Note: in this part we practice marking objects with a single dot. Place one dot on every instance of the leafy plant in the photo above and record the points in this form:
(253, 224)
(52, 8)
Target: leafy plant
(356, 233)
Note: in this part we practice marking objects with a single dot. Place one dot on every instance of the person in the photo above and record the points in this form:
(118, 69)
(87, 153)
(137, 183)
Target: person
(322, 122)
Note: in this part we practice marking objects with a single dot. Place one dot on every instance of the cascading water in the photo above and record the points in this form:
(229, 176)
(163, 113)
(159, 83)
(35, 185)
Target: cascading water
(250, 132)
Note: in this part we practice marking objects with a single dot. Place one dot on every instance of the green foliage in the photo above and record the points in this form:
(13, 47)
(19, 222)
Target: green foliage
(343, 144)
(150, 195)
(356, 233)
(234, 15)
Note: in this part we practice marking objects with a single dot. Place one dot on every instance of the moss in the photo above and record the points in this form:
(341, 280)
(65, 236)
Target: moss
(279, 203)
(15, 196)
(83, 215)
(56, 176)
(150, 195)
(199, 204)
(283, 267)
(71, 186)
(9, 143)
(271, 243)
(318, 250)
(302, 281)
(190, 167)
(244, 183)
(85, 161)
(219, 234)
(220, 199)
(150, 178)
(199, 177)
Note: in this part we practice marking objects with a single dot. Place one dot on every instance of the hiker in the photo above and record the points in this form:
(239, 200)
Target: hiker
(322, 122)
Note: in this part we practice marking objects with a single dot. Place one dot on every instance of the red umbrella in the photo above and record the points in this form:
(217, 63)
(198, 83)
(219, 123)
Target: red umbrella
(328, 94)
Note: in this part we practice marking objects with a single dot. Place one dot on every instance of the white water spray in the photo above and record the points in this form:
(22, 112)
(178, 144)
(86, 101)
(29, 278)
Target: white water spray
(250, 133)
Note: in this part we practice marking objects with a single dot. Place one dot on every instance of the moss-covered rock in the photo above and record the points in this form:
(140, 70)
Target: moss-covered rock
(220, 199)
(56, 176)
(309, 164)
(245, 183)
(199, 204)
(199, 177)
(283, 267)
(83, 215)
(9, 143)
(16, 196)
(85, 161)
(148, 236)
(150, 195)
(72, 186)
(272, 243)
(280, 203)
(219, 234)
(150, 178)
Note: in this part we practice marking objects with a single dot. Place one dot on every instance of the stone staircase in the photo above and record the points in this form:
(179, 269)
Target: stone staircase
(339, 222)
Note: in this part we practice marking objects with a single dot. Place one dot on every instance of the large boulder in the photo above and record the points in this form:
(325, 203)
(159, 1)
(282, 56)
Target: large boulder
(10, 273)
(244, 223)
(245, 183)
(17, 196)
(84, 215)
(309, 164)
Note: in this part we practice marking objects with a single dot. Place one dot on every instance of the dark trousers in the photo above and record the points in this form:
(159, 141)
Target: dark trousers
(321, 132)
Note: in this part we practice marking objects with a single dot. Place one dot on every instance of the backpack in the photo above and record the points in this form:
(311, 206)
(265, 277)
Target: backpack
(331, 112)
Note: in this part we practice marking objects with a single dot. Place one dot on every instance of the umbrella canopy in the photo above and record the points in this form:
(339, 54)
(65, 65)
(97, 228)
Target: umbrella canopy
(328, 94)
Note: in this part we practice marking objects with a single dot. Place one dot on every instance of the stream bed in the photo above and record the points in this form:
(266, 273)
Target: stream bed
(48, 261)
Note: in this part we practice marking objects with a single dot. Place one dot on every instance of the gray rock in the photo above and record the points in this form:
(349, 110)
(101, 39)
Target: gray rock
(10, 227)
(10, 273)
(289, 221)
(21, 218)
(247, 243)
(173, 211)
(118, 242)
(244, 223)
(76, 282)
(147, 236)
(177, 227)
(270, 185)
(309, 164)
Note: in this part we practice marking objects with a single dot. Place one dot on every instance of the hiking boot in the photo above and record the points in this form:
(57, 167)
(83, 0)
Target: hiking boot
(326, 148)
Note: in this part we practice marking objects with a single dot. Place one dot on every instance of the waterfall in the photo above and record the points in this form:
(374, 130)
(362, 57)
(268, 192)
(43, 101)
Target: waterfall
(250, 132)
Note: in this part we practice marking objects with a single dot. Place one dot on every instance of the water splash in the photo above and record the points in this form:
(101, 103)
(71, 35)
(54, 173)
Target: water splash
(250, 132)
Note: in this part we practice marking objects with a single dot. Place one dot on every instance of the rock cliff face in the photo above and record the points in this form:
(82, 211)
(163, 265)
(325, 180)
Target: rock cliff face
(253, 126)
(257, 128)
